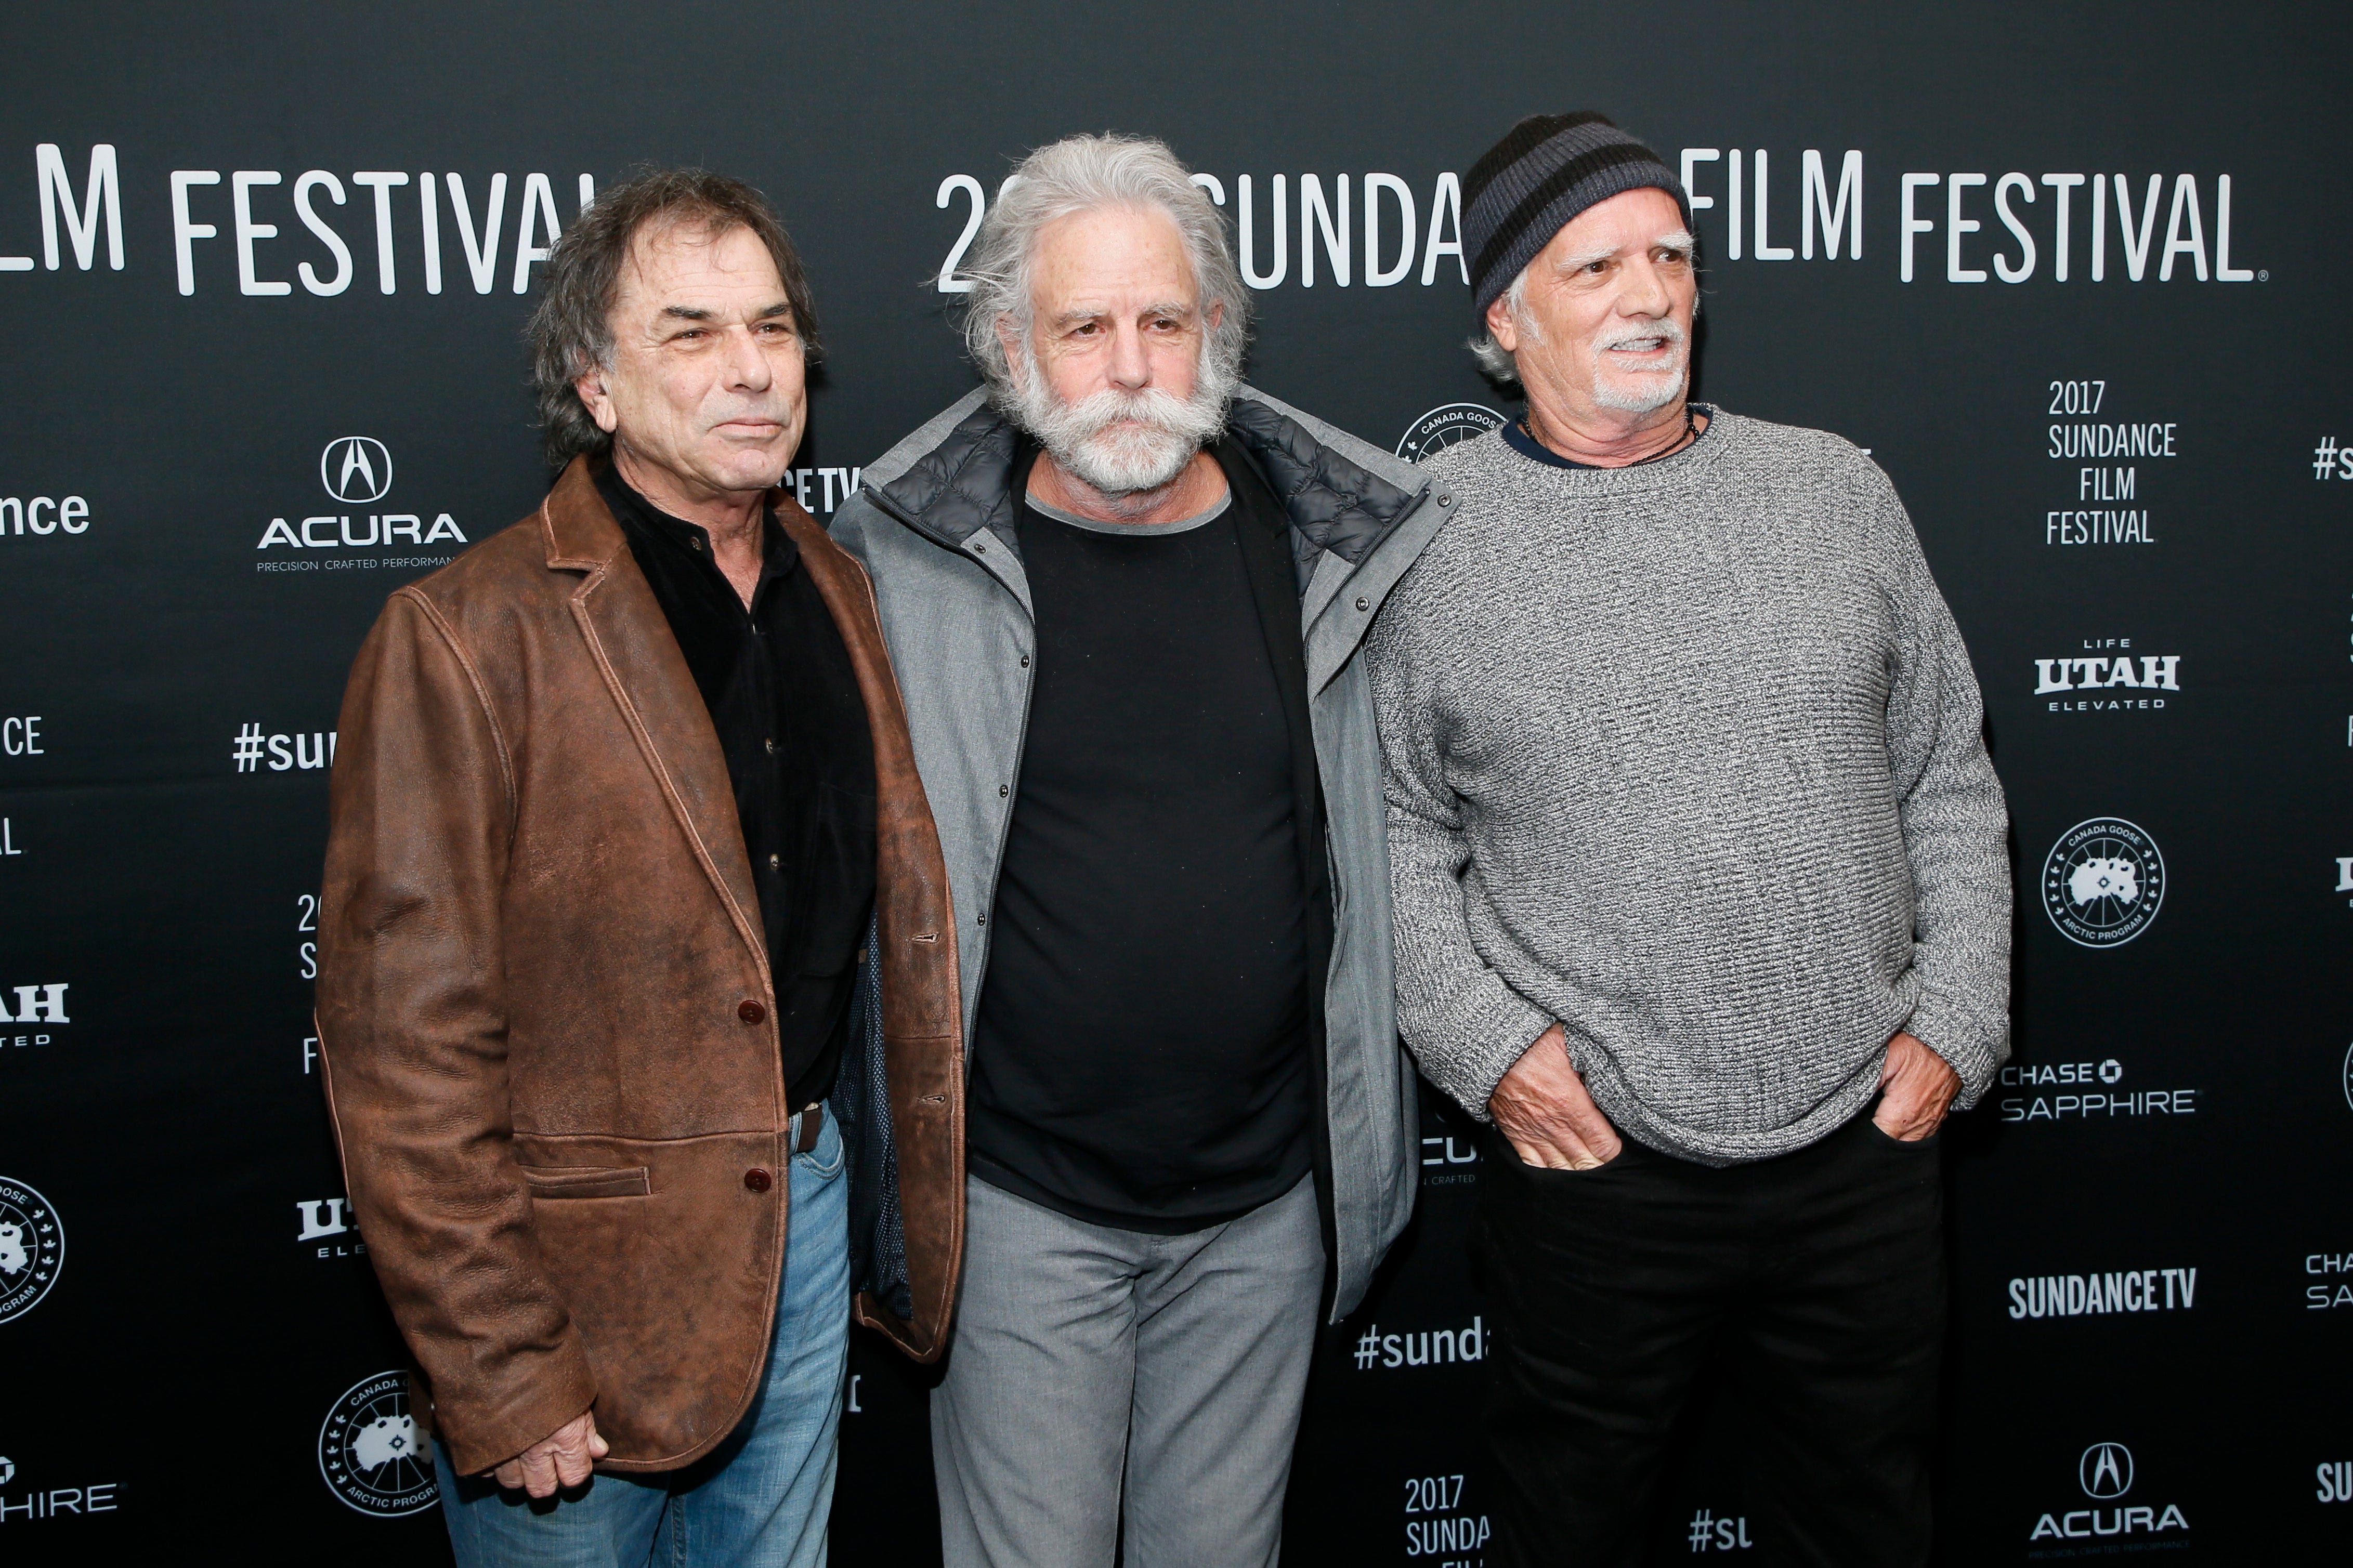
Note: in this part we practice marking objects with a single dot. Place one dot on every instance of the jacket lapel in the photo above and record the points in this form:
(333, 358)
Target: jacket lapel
(630, 641)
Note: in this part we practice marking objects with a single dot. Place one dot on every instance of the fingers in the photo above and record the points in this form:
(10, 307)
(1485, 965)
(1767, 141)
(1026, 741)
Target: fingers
(1554, 1143)
(538, 1472)
(572, 1466)
(1914, 1106)
(563, 1459)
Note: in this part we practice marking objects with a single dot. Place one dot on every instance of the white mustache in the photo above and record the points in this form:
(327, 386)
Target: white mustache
(1665, 330)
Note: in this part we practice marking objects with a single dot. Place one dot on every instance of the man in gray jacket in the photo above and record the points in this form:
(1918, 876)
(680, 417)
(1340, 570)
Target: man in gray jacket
(1701, 893)
(1124, 594)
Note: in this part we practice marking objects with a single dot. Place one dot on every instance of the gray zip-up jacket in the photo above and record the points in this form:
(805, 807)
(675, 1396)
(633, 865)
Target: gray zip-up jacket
(935, 525)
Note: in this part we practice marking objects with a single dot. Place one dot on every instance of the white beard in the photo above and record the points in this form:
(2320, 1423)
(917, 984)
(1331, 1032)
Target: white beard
(1642, 391)
(1125, 443)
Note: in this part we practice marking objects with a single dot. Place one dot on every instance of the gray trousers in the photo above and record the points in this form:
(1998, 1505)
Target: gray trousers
(1089, 1361)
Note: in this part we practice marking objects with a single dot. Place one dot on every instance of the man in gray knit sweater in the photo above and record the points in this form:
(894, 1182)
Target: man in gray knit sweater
(1703, 900)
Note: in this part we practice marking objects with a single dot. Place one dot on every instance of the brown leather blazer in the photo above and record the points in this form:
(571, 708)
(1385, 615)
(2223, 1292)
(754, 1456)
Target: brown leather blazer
(545, 1007)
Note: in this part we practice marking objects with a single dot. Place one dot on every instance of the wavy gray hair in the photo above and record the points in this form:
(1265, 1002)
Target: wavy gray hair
(1087, 173)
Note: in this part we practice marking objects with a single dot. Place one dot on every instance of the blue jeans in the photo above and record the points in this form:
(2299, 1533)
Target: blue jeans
(761, 1499)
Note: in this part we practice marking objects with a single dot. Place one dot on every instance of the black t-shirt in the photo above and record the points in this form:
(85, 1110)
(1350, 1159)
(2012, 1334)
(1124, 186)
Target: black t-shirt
(1140, 1054)
(783, 696)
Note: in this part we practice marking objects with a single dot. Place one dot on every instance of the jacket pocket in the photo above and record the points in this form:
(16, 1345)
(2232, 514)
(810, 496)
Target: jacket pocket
(587, 1181)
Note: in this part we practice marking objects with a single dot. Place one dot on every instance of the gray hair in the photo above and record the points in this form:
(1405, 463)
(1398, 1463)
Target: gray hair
(571, 332)
(1088, 174)
(1494, 362)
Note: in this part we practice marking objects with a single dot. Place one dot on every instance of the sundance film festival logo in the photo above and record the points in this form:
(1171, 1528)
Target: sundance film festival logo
(1448, 424)
(2106, 1474)
(369, 1451)
(2102, 883)
(1435, 1523)
(32, 1248)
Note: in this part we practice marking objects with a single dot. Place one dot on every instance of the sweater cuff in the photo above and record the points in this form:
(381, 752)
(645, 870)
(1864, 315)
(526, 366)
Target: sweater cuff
(1971, 1050)
(1485, 1041)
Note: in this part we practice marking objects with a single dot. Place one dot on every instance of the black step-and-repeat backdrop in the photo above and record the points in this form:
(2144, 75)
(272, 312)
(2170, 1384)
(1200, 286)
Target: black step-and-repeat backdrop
(2076, 280)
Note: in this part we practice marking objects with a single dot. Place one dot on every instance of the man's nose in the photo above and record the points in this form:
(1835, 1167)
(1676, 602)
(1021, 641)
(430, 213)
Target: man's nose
(1130, 366)
(747, 367)
(1646, 292)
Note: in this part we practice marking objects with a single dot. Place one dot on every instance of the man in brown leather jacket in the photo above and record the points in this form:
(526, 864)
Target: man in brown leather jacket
(617, 791)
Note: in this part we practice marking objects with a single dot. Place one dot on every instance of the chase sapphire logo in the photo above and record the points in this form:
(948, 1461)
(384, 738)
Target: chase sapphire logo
(2102, 883)
(369, 1452)
(2105, 1470)
(1446, 426)
(355, 470)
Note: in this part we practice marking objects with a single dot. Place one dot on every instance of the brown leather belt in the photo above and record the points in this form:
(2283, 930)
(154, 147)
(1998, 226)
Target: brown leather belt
(812, 1117)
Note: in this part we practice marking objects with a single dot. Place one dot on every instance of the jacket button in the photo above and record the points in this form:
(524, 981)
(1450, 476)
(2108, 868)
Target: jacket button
(980, 920)
(1025, 661)
(756, 1180)
(751, 1012)
(1003, 790)
(1364, 603)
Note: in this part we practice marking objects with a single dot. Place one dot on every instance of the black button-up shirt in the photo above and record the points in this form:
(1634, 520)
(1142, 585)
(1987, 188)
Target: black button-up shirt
(784, 698)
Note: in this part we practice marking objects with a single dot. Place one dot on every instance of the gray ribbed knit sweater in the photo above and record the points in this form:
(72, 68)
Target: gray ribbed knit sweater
(1687, 756)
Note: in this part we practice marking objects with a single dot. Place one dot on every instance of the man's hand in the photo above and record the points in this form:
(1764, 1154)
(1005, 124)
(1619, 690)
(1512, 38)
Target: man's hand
(560, 1460)
(1915, 1089)
(1542, 1109)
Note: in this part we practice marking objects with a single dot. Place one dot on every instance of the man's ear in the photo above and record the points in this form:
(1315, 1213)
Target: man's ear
(589, 386)
(1500, 326)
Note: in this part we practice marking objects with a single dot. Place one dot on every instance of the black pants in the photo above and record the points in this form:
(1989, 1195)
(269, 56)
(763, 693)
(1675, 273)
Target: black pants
(1817, 1279)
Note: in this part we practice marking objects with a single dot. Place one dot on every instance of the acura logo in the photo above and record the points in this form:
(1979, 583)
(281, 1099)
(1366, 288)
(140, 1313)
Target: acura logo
(355, 468)
(2106, 1469)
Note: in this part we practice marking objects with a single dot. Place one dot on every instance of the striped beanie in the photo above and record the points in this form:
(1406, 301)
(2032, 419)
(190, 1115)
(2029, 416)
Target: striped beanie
(1548, 169)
